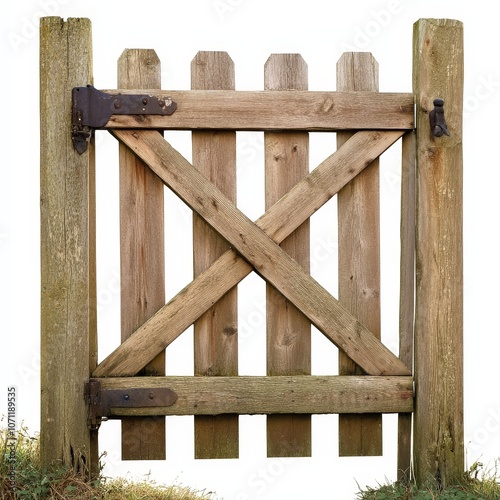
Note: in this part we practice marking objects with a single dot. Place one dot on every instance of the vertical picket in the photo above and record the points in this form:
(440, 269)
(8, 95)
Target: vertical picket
(288, 330)
(407, 292)
(141, 254)
(359, 257)
(215, 332)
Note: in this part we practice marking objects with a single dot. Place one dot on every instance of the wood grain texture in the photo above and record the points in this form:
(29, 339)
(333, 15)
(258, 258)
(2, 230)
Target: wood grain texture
(142, 271)
(278, 222)
(267, 258)
(67, 212)
(215, 332)
(269, 395)
(359, 256)
(288, 330)
(280, 110)
(438, 71)
(407, 291)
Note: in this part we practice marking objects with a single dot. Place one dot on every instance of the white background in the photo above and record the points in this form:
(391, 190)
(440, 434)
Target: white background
(250, 31)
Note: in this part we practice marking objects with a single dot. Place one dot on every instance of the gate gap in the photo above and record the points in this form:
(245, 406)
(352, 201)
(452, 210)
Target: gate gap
(252, 290)
(179, 259)
(252, 436)
(250, 173)
(252, 326)
(180, 436)
(390, 246)
(107, 243)
(178, 227)
(325, 434)
(390, 442)
(323, 255)
(324, 223)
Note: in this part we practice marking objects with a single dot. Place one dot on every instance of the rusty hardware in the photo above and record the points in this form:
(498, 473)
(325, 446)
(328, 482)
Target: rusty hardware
(92, 109)
(436, 119)
(101, 401)
(92, 393)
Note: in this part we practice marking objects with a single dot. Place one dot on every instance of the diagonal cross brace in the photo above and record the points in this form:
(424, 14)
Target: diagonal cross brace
(253, 241)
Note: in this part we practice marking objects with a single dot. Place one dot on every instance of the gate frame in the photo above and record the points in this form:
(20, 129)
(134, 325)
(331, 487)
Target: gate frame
(68, 286)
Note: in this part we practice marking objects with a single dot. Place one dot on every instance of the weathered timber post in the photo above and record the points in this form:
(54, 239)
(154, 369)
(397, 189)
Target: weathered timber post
(438, 428)
(67, 210)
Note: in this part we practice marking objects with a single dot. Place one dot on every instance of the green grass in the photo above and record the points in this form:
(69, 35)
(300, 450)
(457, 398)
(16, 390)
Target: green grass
(34, 482)
(478, 483)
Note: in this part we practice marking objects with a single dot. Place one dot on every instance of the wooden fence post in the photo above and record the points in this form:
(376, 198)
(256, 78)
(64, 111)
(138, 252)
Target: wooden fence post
(67, 216)
(438, 429)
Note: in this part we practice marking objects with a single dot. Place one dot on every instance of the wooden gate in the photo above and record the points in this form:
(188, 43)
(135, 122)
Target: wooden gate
(130, 383)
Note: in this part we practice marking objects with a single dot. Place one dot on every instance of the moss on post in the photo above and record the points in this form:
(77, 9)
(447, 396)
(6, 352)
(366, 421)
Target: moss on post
(67, 211)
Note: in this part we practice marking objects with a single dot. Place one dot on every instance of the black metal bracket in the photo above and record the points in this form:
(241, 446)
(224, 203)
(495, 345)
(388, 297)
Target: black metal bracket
(101, 401)
(436, 119)
(92, 109)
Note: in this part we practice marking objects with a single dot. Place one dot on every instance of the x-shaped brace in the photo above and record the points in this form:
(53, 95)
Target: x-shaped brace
(255, 246)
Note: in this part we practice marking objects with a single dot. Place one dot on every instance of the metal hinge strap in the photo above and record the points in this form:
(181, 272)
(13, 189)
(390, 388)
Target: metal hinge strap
(101, 401)
(92, 109)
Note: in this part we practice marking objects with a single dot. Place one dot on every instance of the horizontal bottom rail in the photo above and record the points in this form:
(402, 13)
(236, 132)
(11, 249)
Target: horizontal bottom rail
(250, 395)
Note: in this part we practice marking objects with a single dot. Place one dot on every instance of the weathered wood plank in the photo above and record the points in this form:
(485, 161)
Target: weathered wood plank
(94, 466)
(438, 71)
(67, 198)
(279, 394)
(359, 256)
(273, 110)
(407, 292)
(288, 333)
(142, 271)
(215, 332)
(278, 222)
(267, 258)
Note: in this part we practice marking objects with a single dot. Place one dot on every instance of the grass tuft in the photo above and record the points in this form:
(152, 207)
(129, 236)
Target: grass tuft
(21, 462)
(23, 477)
(478, 484)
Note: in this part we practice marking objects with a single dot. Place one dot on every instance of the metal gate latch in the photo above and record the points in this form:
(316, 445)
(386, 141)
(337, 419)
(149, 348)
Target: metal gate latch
(436, 119)
(92, 109)
(101, 401)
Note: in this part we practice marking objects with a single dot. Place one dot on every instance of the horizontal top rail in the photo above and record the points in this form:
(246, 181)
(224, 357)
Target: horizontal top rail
(274, 110)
